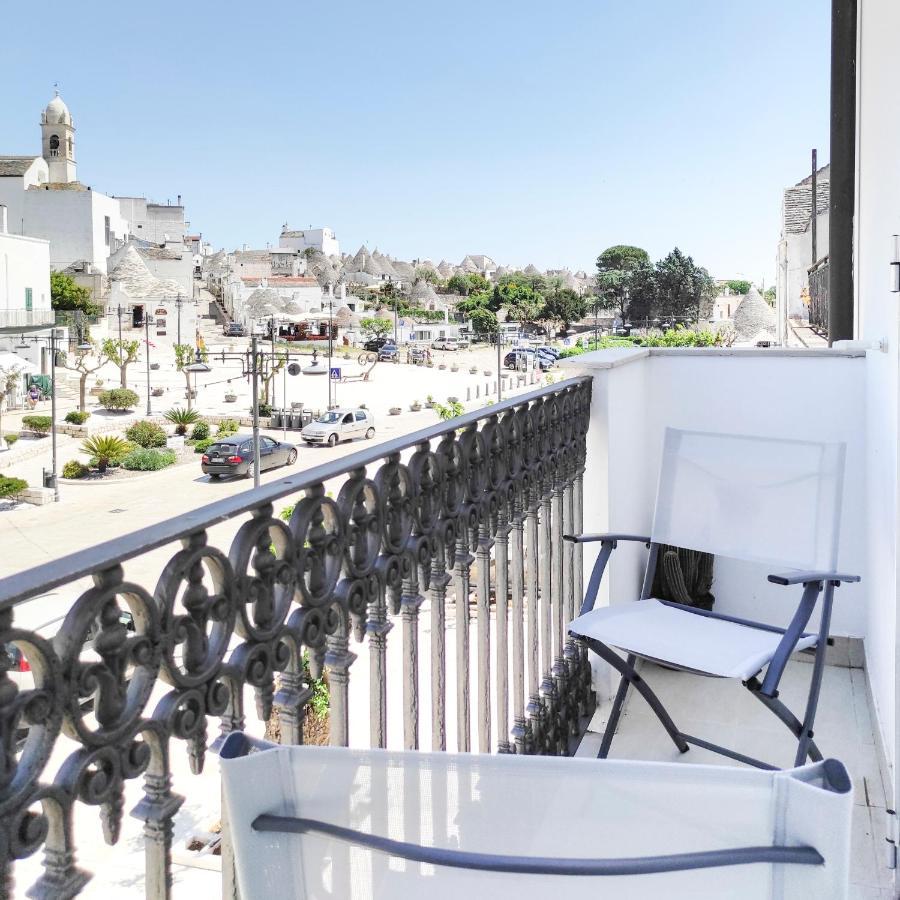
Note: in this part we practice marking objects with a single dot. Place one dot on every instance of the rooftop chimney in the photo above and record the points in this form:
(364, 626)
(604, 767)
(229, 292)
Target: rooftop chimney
(179, 200)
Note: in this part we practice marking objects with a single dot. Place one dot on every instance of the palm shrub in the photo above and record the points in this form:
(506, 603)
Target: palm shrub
(181, 418)
(119, 398)
(147, 434)
(147, 459)
(77, 417)
(105, 448)
(10, 488)
(226, 427)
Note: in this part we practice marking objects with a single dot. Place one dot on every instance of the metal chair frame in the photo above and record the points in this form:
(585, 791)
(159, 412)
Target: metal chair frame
(766, 690)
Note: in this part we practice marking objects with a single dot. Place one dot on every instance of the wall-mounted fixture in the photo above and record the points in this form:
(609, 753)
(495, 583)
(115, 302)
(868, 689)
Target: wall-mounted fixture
(895, 266)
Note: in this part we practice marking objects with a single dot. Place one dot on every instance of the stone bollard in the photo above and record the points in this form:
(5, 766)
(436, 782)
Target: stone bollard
(468, 394)
(477, 391)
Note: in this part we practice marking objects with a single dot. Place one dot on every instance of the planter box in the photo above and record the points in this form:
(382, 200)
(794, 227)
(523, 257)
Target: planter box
(415, 407)
(474, 371)
(394, 411)
(154, 366)
(158, 392)
(175, 442)
(231, 398)
(96, 391)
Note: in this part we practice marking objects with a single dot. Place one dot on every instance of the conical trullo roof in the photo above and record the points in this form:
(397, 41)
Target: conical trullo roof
(137, 281)
(754, 319)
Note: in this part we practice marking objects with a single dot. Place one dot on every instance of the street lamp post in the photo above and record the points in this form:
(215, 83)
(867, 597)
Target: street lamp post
(51, 340)
(330, 348)
(148, 321)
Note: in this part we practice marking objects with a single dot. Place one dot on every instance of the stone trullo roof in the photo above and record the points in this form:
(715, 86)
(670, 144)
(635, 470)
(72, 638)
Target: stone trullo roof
(754, 319)
(137, 281)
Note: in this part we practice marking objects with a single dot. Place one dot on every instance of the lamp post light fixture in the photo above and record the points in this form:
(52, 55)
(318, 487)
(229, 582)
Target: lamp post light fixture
(198, 365)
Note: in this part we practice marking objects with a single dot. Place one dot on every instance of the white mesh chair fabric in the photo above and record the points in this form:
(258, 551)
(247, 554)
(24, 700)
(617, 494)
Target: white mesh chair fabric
(752, 498)
(533, 807)
(653, 630)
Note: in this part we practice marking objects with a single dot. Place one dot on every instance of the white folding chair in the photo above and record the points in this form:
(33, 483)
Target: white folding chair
(316, 822)
(749, 498)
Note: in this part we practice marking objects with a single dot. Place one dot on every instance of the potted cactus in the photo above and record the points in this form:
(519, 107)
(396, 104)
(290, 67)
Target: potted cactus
(684, 576)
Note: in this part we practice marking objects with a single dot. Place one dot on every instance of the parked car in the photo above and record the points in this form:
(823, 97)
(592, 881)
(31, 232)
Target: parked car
(233, 329)
(449, 343)
(417, 356)
(234, 455)
(375, 344)
(389, 353)
(339, 425)
(547, 350)
(45, 616)
(520, 358)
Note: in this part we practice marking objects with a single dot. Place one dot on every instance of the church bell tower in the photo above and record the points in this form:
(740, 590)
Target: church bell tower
(58, 141)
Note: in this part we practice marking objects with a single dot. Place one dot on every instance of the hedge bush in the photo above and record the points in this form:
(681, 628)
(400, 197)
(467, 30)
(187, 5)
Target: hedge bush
(77, 417)
(203, 445)
(74, 469)
(10, 488)
(119, 398)
(226, 427)
(10, 439)
(40, 424)
(200, 432)
(146, 459)
(147, 434)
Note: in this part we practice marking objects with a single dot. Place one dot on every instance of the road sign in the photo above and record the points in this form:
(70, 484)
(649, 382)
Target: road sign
(335, 374)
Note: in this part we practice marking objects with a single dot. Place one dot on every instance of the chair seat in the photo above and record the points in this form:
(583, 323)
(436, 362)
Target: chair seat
(668, 634)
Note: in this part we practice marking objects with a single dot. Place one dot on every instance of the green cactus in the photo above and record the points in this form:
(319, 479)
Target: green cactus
(684, 576)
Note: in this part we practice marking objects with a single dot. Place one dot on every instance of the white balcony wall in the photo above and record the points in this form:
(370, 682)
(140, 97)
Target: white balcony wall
(817, 395)
(877, 219)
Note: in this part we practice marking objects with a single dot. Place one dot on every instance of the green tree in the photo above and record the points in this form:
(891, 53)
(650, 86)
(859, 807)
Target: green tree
(376, 328)
(85, 363)
(769, 296)
(484, 321)
(9, 378)
(458, 284)
(564, 306)
(426, 273)
(683, 288)
(66, 294)
(738, 286)
(121, 353)
(615, 278)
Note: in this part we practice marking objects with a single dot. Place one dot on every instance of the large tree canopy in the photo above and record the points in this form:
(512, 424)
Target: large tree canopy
(564, 306)
(683, 288)
(616, 268)
(66, 294)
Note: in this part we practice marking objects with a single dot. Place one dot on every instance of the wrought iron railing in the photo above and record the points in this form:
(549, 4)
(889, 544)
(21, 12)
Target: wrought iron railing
(460, 523)
(818, 296)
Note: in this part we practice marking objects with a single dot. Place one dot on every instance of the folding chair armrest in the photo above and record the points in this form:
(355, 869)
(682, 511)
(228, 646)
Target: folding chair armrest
(606, 538)
(809, 577)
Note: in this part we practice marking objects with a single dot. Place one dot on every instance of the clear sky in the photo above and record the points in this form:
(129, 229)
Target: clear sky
(530, 131)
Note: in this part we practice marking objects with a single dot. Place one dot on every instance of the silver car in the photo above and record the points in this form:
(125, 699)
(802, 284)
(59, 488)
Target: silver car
(339, 425)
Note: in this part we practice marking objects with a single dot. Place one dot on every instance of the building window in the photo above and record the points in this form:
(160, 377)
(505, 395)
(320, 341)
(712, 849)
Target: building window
(106, 229)
(28, 300)
(69, 144)
(54, 145)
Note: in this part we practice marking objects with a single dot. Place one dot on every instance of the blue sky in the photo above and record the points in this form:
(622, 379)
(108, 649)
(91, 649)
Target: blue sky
(533, 132)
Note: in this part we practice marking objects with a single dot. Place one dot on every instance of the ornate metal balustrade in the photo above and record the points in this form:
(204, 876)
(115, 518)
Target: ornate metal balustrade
(818, 295)
(384, 536)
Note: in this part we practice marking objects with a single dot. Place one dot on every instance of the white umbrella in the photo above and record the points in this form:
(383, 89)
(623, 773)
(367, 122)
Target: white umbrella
(10, 361)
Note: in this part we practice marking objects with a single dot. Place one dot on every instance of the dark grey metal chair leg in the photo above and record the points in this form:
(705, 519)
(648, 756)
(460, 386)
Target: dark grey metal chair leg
(630, 676)
(780, 711)
(613, 722)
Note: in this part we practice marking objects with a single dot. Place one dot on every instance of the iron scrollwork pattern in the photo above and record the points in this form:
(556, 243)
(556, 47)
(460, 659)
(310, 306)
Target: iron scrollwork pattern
(461, 528)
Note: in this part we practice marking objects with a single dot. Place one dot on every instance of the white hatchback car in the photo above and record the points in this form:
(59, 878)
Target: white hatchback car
(339, 425)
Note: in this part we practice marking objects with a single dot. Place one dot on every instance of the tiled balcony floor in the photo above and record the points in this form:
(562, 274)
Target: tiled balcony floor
(725, 713)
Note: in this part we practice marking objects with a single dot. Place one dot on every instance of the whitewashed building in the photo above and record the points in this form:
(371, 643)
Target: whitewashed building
(795, 254)
(321, 239)
(159, 223)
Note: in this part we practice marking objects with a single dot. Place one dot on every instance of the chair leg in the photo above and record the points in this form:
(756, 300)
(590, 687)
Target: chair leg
(630, 676)
(777, 708)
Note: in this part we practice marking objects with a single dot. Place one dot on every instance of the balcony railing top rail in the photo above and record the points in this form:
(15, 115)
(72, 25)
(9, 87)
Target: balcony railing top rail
(460, 520)
(40, 579)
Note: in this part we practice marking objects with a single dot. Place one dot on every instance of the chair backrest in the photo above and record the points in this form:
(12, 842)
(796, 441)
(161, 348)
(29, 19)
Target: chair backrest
(751, 498)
